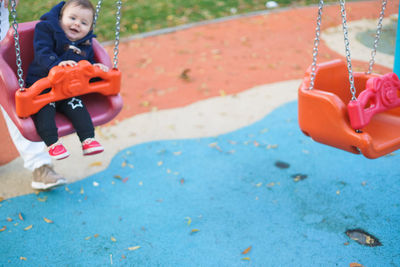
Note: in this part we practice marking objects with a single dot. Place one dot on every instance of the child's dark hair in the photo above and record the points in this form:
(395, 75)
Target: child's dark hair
(82, 3)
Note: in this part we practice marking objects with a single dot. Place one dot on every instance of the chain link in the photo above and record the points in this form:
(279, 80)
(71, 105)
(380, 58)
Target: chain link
(17, 46)
(1, 3)
(377, 36)
(96, 15)
(316, 43)
(347, 46)
(117, 32)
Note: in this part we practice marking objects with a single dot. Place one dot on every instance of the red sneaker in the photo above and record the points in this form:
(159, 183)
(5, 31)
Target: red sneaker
(58, 151)
(90, 147)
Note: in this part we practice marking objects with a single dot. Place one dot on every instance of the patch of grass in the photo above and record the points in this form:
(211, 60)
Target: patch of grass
(147, 15)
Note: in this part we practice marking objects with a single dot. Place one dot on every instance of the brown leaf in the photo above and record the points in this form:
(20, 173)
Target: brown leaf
(134, 248)
(1, 199)
(185, 75)
(22, 258)
(247, 250)
(3, 229)
(20, 216)
(28, 227)
(354, 264)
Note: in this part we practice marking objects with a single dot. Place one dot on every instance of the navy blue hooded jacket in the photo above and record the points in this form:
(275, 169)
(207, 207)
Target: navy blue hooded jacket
(51, 46)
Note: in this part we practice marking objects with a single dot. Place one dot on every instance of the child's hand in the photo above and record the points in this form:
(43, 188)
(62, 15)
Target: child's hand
(101, 66)
(67, 63)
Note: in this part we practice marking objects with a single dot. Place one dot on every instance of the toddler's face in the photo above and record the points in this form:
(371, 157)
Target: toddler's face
(76, 22)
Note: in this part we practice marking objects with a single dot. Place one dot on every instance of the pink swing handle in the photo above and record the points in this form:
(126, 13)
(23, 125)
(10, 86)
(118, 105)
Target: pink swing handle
(380, 94)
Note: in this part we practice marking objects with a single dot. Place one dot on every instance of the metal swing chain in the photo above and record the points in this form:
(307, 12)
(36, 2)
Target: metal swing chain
(117, 32)
(316, 43)
(347, 46)
(0, 19)
(377, 36)
(17, 46)
(96, 15)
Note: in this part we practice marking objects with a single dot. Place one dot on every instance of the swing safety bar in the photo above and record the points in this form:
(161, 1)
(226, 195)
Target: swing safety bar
(66, 82)
(381, 94)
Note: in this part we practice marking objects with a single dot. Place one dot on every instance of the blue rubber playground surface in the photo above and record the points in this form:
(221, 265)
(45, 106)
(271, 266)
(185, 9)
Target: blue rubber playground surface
(265, 195)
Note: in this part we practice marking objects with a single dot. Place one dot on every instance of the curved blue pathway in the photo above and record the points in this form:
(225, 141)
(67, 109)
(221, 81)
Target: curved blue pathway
(202, 202)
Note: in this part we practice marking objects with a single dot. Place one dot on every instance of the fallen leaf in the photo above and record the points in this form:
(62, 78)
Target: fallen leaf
(28, 227)
(117, 177)
(363, 238)
(123, 165)
(355, 264)
(43, 199)
(160, 163)
(182, 181)
(247, 250)
(282, 164)
(22, 258)
(96, 163)
(145, 103)
(20, 216)
(134, 248)
(9, 219)
(88, 237)
(1, 199)
(125, 179)
(194, 231)
(3, 229)
(47, 220)
(185, 75)
(113, 239)
(96, 235)
(189, 220)
(246, 259)
(82, 191)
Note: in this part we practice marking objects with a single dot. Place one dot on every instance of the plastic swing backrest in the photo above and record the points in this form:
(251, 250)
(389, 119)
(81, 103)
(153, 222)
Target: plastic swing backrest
(101, 108)
(323, 113)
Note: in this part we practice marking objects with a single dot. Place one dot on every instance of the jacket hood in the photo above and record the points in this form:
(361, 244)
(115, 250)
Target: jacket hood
(53, 17)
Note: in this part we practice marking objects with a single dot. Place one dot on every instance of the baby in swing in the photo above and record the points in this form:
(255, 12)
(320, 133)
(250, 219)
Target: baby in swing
(63, 37)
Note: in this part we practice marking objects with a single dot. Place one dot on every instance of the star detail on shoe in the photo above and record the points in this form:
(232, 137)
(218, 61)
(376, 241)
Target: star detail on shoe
(52, 104)
(75, 103)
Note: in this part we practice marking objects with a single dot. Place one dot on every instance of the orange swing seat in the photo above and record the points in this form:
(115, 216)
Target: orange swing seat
(99, 90)
(323, 113)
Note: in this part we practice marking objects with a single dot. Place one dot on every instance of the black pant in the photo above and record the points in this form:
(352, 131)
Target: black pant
(74, 109)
